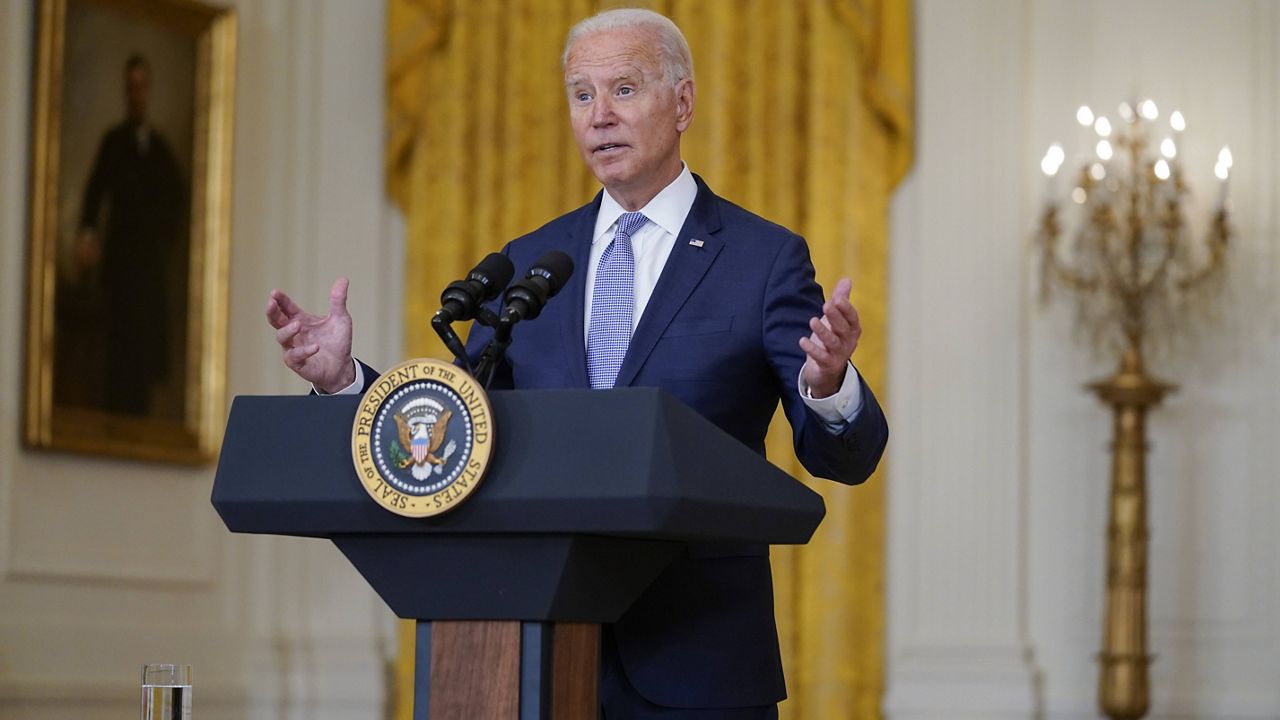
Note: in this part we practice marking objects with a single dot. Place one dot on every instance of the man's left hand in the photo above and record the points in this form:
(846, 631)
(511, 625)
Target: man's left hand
(832, 341)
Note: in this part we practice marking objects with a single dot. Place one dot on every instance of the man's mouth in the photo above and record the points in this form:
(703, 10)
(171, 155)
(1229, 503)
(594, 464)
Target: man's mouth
(609, 147)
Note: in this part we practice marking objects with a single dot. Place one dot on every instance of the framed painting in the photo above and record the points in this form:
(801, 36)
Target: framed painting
(129, 223)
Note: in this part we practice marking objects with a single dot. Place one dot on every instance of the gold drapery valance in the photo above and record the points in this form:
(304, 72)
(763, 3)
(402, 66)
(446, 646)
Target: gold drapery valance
(804, 115)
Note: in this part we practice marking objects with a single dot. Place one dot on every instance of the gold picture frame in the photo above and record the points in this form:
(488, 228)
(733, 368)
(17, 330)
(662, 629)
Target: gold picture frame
(129, 228)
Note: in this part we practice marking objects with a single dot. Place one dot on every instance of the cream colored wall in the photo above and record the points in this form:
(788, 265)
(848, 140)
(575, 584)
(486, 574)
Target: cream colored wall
(105, 564)
(999, 461)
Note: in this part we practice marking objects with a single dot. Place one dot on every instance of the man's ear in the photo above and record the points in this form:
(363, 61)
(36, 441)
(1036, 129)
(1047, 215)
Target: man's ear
(685, 96)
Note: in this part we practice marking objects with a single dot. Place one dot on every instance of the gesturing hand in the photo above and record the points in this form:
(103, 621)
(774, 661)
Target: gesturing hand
(832, 341)
(316, 347)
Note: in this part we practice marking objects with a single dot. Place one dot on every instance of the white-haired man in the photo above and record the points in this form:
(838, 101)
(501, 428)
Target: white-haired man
(685, 291)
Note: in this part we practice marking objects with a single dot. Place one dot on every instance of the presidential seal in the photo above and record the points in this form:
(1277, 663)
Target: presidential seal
(422, 438)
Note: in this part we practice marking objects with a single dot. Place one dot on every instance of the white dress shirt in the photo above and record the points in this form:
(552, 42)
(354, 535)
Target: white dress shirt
(651, 245)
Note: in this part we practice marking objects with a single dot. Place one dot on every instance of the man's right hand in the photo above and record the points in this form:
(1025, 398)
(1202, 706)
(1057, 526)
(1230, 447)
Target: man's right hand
(316, 347)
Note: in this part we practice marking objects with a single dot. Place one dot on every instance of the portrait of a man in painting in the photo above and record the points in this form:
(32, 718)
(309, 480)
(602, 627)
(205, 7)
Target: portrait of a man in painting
(129, 219)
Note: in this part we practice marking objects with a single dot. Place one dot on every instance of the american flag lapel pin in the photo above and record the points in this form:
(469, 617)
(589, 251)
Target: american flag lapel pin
(696, 243)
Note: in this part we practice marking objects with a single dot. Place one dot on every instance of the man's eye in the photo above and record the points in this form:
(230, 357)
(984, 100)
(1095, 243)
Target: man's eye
(583, 97)
(626, 90)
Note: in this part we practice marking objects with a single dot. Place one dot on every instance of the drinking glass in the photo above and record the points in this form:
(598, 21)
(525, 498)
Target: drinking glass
(166, 692)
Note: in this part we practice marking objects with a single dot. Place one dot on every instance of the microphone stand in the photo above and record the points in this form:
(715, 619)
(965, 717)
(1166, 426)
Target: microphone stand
(497, 347)
(492, 354)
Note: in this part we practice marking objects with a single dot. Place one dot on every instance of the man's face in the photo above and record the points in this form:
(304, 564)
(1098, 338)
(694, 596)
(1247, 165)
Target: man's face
(626, 118)
(137, 92)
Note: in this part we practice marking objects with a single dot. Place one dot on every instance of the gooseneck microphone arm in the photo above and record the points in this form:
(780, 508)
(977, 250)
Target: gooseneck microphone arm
(494, 352)
(440, 323)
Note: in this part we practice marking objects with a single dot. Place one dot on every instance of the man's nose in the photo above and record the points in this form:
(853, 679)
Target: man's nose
(602, 112)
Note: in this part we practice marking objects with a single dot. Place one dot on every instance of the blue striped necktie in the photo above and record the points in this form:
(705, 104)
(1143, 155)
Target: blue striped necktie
(612, 304)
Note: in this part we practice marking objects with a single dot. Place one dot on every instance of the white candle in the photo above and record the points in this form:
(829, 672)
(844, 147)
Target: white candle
(1223, 171)
(1049, 165)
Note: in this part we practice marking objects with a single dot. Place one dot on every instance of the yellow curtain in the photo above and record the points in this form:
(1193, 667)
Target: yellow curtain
(804, 115)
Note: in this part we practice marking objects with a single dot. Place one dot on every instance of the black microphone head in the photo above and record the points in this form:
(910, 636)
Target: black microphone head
(494, 272)
(555, 267)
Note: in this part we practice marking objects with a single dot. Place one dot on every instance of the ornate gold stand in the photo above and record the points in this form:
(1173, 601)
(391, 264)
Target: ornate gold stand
(1123, 681)
(1131, 264)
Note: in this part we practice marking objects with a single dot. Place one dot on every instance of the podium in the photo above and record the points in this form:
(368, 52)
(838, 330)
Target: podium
(588, 497)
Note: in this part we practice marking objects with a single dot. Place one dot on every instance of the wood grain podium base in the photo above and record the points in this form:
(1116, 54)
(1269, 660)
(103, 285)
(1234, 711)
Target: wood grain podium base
(506, 670)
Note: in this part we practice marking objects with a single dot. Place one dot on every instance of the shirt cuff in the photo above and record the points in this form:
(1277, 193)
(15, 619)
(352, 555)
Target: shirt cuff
(838, 410)
(352, 389)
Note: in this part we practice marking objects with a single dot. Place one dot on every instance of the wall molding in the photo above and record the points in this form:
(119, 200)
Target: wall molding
(275, 628)
(231, 670)
(958, 644)
(976, 631)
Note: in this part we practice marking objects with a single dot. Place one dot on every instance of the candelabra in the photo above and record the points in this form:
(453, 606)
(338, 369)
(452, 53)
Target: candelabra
(1137, 275)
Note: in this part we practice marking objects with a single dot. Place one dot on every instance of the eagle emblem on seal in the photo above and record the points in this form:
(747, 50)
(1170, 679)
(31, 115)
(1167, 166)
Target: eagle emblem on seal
(423, 425)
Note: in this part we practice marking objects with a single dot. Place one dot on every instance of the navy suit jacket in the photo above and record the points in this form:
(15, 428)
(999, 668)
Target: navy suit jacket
(720, 333)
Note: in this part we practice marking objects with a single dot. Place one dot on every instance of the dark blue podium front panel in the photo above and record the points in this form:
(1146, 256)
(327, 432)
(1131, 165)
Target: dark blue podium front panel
(590, 494)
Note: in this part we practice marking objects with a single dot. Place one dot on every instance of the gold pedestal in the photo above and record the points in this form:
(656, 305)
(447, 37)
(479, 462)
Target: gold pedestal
(1124, 680)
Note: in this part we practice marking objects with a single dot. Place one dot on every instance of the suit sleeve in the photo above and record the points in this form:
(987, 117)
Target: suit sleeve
(370, 376)
(365, 376)
(792, 297)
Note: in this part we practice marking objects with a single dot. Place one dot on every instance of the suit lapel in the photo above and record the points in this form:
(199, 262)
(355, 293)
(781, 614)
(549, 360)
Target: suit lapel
(573, 325)
(684, 270)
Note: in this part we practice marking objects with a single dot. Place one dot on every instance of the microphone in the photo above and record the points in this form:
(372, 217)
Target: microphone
(526, 298)
(462, 299)
(524, 301)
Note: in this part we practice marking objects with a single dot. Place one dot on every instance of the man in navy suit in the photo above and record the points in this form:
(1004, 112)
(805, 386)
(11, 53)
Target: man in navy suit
(680, 289)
